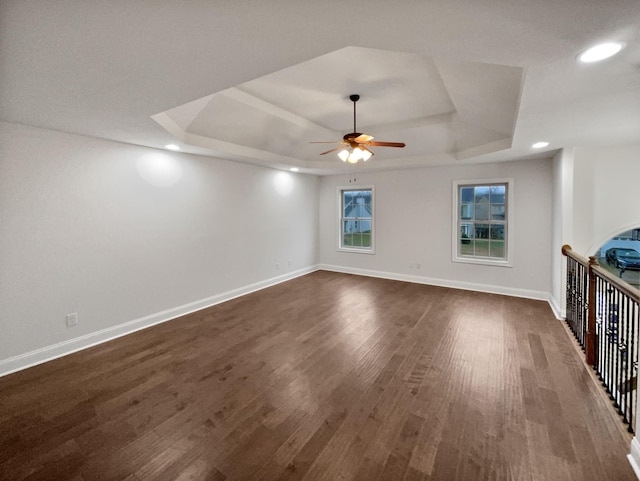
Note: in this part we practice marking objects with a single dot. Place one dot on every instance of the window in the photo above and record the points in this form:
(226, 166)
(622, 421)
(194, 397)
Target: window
(356, 219)
(481, 227)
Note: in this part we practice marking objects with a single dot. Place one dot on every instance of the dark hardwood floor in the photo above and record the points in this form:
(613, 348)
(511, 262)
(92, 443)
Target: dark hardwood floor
(326, 377)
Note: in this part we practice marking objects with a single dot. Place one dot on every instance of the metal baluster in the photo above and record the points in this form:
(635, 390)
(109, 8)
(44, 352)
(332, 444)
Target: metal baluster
(626, 378)
(619, 352)
(585, 303)
(600, 330)
(599, 334)
(608, 363)
(633, 358)
(569, 291)
(601, 317)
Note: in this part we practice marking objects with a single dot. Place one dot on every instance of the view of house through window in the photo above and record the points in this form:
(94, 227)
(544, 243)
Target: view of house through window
(482, 221)
(356, 219)
(620, 255)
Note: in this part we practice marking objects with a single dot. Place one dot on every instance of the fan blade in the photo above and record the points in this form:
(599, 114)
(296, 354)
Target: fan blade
(386, 144)
(363, 138)
(332, 150)
(326, 142)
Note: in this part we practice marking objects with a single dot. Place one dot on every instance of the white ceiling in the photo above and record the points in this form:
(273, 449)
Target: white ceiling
(255, 81)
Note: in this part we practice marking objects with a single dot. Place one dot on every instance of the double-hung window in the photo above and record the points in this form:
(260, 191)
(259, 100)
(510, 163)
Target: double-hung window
(356, 219)
(481, 222)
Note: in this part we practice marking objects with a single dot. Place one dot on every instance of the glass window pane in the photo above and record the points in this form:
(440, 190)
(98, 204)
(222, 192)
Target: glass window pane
(466, 211)
(347, 233)
(466, 230)
(357, 218)
(497, 211)
(367, 197)
(346, 201)
(482, 221)
(497, 194)
(482, 195)
(367, 211)
(466, 194)
(357, 204)
(497, 249)
(482, 240)
(366, 239)
(466, 248)
(482, 212)
(497, 231)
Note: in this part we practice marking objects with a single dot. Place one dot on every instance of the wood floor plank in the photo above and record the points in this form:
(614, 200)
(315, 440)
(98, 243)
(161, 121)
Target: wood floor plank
(326, 377)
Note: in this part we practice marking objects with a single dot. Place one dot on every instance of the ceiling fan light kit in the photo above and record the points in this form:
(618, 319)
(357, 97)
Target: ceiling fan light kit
(354, 155)
(357, 144)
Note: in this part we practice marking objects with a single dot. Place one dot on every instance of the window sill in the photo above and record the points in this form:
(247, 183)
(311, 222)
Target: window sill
(355, 250)
(485, 261)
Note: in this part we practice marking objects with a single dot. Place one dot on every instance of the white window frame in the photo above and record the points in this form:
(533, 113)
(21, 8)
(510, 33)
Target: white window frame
(340, 195)
(509, 223)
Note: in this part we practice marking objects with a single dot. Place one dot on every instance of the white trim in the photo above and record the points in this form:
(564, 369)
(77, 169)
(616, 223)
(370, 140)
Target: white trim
(509, 223)
(49, 353)
(634, 456)
(467, 286)
(356, 250)
(559, 313)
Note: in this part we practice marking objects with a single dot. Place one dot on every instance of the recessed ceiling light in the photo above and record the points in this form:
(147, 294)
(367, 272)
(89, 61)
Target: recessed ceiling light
(539, 145)
(294, 169)
(600, 52)
(172, 147)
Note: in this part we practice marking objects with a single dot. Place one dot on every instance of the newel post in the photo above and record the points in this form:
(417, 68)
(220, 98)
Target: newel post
(590, 344)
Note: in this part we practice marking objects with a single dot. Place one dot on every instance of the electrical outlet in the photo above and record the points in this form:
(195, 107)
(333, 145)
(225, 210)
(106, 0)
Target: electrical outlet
(277, 265)
(290, 263)
(72, 319)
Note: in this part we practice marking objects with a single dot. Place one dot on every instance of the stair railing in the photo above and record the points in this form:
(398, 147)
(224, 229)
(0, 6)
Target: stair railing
(603, 313)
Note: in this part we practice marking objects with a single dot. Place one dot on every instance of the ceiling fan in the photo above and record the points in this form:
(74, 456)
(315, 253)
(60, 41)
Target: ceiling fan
(355, 145)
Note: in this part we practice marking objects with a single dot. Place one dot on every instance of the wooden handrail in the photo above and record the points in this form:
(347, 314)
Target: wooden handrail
(569, 252)
(623, 287)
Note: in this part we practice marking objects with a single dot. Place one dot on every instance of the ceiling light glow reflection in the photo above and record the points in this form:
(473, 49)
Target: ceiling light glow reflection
(283, 182)
(159, 169)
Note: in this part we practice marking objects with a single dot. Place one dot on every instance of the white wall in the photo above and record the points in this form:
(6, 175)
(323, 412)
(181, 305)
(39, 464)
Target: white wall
(121, 233)
(606, 200)
(413, 226)
(562, 226)
(595, 198)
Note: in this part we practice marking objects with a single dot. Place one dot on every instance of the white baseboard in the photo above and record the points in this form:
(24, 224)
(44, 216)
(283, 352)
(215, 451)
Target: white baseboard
(559, 313)
(467, 286)
(48, 353)
(634, 456)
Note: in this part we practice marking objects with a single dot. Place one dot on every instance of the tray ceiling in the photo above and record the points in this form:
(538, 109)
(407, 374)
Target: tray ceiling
(439, 108)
